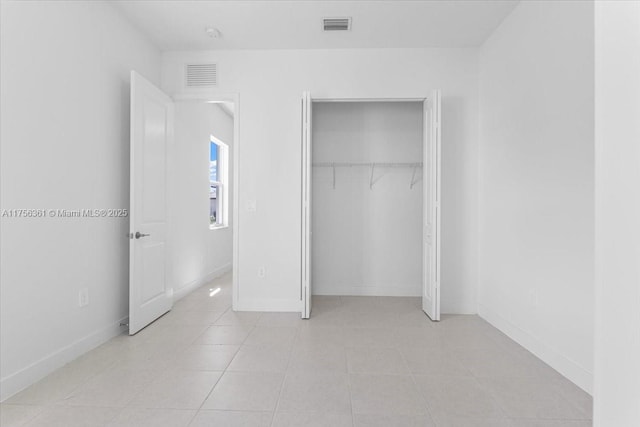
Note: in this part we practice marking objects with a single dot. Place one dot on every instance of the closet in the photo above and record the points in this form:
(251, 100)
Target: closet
(371, 199)
(367, 198)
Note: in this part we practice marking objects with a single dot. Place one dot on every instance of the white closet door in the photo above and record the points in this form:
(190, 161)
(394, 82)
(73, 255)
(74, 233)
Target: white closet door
(431, 208)
(306, 206)
(152, 115)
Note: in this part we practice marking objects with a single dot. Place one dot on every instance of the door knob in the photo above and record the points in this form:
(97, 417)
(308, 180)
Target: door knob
(139, 235)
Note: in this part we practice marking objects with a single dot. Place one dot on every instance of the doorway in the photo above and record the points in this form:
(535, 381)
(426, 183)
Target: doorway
(183, 162)
(202, 192)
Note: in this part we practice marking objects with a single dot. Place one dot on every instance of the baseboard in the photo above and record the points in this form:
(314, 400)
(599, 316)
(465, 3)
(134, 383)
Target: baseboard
(191, 286)
(565, 366)
(33, 373)
(373, 290)
(269, 305)
(457, 309)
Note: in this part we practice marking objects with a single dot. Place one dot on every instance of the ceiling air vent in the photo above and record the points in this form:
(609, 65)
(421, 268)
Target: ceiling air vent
(201, 75)
(336, 24)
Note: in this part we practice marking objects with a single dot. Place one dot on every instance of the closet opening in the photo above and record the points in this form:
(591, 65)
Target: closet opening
(371, 199)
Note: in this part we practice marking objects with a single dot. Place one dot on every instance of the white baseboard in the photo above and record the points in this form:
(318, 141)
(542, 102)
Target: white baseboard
(558, 361)
(270, 305)
(373, 290)
(457, 309)
(191, 286)
(33, 373)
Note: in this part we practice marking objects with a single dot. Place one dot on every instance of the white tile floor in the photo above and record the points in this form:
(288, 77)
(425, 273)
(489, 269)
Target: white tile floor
(359, 361)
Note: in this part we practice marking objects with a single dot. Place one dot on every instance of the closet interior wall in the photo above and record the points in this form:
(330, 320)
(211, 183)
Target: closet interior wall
(367, 198)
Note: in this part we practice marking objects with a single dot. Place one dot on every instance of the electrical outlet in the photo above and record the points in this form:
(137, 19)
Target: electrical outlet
(262, 271)
(251, 206)
(83, 297)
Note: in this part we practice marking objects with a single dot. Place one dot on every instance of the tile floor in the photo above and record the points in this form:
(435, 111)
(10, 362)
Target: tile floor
(359, 361)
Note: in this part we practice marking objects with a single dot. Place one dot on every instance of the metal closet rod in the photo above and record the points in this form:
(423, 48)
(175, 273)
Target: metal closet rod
(373, 166)
(369, 164)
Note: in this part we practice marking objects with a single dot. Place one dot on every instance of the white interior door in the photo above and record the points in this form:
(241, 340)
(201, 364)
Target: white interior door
(152, 115)
(306, 205)
(431, 208)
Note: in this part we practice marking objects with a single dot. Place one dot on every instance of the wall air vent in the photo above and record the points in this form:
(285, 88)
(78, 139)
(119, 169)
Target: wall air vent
(336, 24)
(201, 75)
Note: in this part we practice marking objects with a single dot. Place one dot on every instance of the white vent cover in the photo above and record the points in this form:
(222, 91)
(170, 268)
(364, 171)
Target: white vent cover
(336, 24)
(201, 75)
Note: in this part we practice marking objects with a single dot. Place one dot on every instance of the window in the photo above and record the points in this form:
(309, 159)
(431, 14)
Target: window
(218, 179)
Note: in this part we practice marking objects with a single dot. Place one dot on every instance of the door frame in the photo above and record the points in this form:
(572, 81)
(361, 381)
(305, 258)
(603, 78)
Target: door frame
(207, 97)
(332, 99)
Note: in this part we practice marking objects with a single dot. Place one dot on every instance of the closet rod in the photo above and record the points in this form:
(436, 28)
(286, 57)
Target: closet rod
(373, 166)
(369, 164)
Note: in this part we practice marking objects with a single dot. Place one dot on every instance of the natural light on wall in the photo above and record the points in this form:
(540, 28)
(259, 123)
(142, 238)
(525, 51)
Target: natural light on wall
(218, 183)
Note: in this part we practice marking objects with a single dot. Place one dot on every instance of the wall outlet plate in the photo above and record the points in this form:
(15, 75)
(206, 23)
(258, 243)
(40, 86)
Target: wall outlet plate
(83, 297)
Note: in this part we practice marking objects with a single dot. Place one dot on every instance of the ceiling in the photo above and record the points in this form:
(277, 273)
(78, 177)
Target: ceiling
(297, 24)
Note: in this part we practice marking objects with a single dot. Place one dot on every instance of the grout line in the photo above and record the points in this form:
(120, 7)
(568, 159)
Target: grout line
(221, 372)
(423, 396)
(353, 415)
(284, 377)
(193, 417)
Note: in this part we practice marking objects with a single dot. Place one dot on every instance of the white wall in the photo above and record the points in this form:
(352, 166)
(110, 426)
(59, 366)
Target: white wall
(65, 145)
(536, 246)
(198, 253)
(617, 362)
(270, 84)
(367, 241)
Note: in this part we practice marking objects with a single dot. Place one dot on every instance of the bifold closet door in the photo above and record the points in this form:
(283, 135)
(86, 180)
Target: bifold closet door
(305, 293)
(431, 210)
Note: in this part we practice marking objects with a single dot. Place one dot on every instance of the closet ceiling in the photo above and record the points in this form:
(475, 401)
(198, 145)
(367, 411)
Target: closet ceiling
(297, 24)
